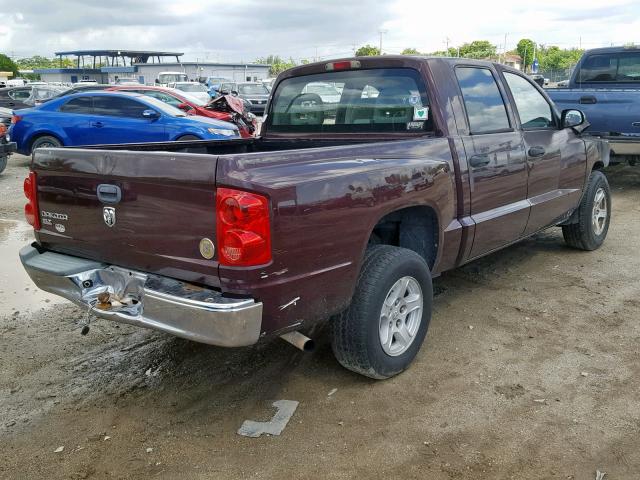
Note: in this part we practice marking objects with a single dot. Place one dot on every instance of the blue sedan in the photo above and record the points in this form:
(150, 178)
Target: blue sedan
(94, 118)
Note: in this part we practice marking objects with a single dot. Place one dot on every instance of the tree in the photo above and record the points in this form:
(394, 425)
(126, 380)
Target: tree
(367, 51)
(525, 49)
(276, 64)
(8, 65)
(555, 58)
(410, 51)
(477, 49)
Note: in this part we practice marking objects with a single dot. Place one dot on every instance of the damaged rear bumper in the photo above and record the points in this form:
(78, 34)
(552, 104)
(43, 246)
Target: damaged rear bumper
(146, 300)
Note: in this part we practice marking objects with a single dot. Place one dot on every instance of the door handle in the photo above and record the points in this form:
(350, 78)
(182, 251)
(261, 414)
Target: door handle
(479, 160)
(12, 104)
(110, 194)
(536, 151)
(588, 100)
(97, 124)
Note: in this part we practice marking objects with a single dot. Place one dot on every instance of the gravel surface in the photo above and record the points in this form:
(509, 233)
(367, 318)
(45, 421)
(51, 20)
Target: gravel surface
(530, 370)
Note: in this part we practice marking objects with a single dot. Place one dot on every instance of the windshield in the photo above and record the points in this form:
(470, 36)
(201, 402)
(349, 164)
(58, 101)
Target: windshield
(253, 89)
(172, 77)
(191, 87)
(619, 67)
(371, 101)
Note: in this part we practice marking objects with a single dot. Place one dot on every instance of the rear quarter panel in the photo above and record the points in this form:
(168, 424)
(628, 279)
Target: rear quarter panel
(325, 203)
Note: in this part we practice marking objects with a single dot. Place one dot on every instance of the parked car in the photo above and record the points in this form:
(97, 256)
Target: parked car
(165, 78)
(345, 218)
(78, 88)
(194, 89)
(41, 93)
(191, 105)
(6, 147)
(14, 97)
(255, 93)
(606, 85)
(110, 118)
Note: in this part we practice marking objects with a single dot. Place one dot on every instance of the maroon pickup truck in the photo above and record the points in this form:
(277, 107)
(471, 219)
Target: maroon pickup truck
(344, 209)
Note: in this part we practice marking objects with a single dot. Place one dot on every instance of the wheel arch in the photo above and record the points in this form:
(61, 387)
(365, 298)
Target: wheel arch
(416, 228)
(42, 133)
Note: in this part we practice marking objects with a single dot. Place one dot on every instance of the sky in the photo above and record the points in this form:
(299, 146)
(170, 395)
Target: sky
(243, 30)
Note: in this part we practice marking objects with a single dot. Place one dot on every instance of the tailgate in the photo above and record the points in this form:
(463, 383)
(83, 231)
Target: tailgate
(166, 206)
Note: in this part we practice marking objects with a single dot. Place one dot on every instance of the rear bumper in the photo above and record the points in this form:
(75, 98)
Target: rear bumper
(147, 300)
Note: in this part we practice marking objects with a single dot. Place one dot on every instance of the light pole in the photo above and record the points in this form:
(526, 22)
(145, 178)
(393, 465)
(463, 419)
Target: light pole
(381, 32)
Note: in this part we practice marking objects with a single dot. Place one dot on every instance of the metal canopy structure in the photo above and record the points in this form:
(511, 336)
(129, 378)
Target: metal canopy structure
(116, 58)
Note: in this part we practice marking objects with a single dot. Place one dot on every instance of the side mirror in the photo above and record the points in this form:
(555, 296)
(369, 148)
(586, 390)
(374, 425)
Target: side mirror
(184, 106)
(150, 114)
(573, 119)
(234, 93)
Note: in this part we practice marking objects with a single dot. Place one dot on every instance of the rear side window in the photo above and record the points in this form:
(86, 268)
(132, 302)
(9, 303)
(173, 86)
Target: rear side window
(118, 107)
(621, 67)
(482, 100)
(352, 101)
(78, 105)
(533, 109)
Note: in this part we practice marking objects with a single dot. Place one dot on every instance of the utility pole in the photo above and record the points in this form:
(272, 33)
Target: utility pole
(446, 42)
(504, 49)
(381, 32)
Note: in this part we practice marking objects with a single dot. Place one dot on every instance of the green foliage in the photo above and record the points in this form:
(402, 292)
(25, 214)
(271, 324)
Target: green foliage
(555, 58)
(410, 51)
(526, 49)
(480, 49)
(367, 51)
(277, 64)
(8, 65)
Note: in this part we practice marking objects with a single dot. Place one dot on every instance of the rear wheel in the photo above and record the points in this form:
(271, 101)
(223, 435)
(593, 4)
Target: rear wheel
(381, 332)
(46, 141)
(3, 162)
(594, 215)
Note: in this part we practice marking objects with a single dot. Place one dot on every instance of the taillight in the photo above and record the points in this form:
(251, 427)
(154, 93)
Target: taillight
(3, 129)
(31, 211)
(243, 228)
(344, 65)
(15, 118)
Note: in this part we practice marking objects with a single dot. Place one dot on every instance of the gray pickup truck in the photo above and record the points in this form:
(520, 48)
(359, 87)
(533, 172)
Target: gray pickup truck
(342, 210)
(605, 85)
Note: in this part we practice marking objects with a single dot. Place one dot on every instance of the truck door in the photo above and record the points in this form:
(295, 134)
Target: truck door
(556, 158)
(497, 164)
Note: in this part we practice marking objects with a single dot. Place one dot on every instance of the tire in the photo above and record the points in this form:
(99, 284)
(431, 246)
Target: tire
(357, 333)
(45, 141)
(586, 233)
(3, 162)
(186, 138)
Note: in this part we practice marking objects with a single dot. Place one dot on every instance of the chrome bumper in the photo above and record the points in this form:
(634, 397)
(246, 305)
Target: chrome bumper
(148, 300)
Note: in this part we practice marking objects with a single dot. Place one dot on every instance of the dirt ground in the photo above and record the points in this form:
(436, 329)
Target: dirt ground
(530, 370)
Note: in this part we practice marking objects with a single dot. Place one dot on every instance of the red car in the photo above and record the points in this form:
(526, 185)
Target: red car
(189, 104)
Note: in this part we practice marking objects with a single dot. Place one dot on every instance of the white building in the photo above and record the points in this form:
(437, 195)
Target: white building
(107, 66)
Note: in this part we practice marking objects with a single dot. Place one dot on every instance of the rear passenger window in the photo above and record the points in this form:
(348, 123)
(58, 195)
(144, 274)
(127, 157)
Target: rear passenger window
(77, 105)
(118, 107)
(482, 100)
(533, 109)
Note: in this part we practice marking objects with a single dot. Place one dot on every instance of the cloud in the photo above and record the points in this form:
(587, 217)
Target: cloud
(237, 30)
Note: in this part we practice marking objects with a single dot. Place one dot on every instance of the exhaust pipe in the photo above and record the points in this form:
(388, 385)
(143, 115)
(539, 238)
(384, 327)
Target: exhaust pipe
(300, 341)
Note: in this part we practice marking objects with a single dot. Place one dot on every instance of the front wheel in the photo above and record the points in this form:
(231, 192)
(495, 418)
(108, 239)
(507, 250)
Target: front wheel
(3, 162)
(594, 215)
(381, 332)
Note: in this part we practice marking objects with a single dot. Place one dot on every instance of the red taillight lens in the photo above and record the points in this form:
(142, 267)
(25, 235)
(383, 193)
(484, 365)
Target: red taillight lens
(346, 65)
(15, 118)
(243, 228)
(31, 212)
(3, 129)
